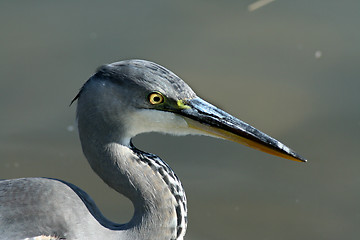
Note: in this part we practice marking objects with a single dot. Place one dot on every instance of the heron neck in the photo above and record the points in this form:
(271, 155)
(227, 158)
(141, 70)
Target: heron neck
(153, 188)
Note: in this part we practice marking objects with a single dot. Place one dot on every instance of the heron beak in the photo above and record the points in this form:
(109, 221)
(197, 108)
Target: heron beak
(212, 121)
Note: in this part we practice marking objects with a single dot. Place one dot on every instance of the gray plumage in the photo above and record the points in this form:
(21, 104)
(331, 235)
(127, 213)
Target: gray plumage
(114, 105)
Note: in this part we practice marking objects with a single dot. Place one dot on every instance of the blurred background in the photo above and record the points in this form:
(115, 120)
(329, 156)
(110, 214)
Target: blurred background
(289, 68)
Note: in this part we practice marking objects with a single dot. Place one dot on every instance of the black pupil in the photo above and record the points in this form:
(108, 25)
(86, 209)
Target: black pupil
(156, 99)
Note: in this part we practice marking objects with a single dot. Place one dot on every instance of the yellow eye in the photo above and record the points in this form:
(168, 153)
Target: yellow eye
(156, 98)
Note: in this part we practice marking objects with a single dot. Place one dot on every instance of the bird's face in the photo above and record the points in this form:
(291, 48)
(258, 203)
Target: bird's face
(151, 98)
(204, 118)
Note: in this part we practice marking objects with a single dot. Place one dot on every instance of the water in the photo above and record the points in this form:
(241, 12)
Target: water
(289, 68)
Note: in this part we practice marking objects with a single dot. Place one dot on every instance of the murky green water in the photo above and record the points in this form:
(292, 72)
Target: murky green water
(290, 68)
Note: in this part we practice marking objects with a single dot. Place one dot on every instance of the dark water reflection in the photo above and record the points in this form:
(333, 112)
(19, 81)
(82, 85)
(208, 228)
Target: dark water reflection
(290, 68)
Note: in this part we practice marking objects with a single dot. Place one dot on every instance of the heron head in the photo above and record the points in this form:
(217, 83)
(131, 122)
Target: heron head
(137, 96)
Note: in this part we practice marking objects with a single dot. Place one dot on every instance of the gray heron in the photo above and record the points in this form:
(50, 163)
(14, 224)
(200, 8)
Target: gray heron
(118, 102)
